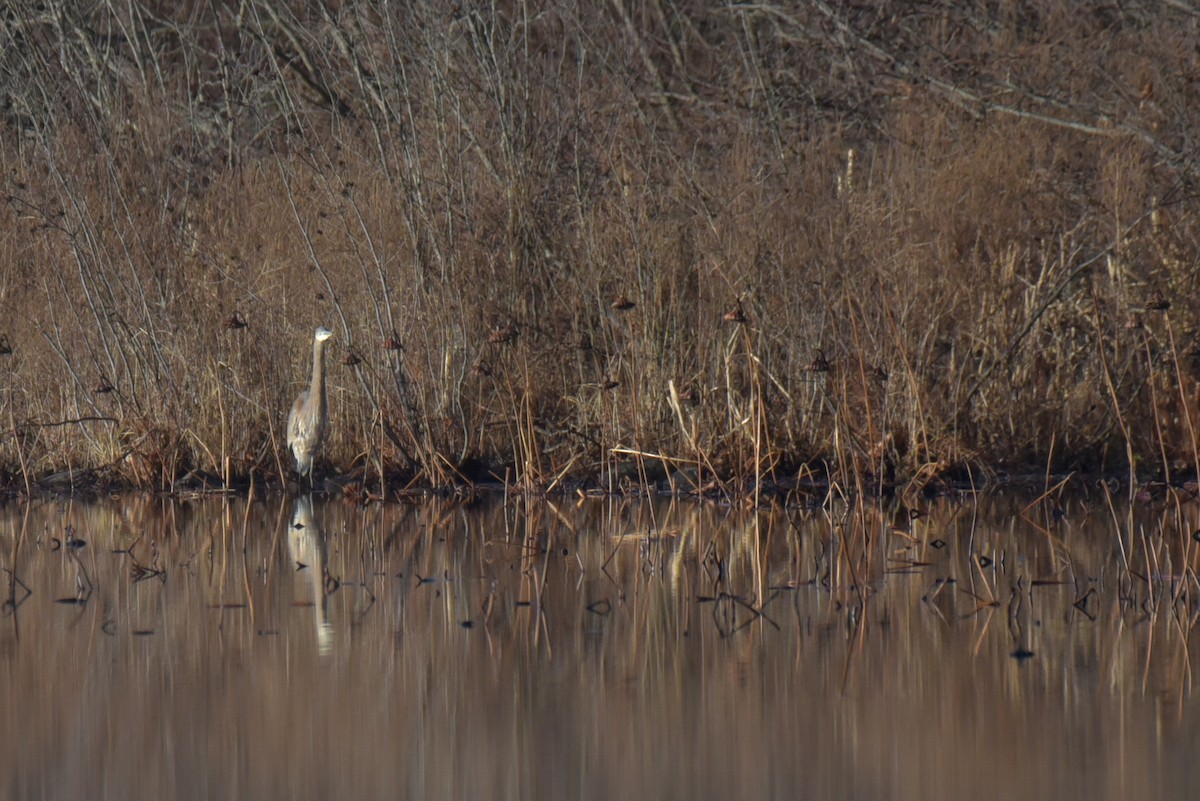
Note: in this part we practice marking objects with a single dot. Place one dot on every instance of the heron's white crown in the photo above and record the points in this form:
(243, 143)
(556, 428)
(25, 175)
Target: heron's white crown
(323, 334)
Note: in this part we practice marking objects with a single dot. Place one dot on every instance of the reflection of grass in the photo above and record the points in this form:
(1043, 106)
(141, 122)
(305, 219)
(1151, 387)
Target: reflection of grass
(746, 266)
(647, 576)
(503, 567)
(503, 640)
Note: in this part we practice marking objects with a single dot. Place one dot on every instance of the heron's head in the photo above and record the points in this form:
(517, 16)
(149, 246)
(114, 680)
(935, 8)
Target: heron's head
(323, 334)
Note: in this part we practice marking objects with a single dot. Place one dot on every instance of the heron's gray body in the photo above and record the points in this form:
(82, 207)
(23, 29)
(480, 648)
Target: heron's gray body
(309, 417)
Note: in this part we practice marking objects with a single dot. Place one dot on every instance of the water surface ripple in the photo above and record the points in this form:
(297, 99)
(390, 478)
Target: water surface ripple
(600, 649)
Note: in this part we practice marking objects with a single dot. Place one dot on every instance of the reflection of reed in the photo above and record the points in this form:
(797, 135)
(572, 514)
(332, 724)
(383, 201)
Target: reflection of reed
(306, 541)
(684, 652)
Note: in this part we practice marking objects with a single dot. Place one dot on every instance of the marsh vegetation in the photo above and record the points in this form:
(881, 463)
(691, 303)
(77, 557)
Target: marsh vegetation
(871, 241)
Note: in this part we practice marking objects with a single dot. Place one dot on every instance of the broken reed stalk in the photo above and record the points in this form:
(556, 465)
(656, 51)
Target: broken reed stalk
(873, 438)
(1118, 415)
(1154, 408)
(1190, 544)
(1118, 526)
(1184, 405)
(20, 446)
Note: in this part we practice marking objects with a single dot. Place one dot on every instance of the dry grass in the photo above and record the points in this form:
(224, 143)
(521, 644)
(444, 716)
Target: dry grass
(879, 241)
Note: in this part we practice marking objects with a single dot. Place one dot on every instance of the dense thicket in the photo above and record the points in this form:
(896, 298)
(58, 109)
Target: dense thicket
(749, 236)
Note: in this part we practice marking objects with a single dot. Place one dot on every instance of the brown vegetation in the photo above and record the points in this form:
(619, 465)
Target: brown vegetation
(877, 237)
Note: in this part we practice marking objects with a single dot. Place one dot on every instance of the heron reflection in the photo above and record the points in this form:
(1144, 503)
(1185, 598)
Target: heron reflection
(306, 541)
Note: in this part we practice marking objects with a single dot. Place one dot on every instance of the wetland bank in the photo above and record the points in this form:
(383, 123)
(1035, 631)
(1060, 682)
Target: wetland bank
(573, 248)
(308, 648)
(869, 241)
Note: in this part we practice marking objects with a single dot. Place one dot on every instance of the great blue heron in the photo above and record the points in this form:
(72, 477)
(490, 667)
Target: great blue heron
(309, 417)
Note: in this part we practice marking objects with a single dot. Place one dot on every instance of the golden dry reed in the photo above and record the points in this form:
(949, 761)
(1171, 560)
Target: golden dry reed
(725, 242)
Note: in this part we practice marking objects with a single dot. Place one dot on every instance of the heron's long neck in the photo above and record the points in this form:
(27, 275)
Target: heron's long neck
(317, 389)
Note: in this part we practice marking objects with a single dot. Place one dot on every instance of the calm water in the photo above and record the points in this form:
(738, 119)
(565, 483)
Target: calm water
(598, 650)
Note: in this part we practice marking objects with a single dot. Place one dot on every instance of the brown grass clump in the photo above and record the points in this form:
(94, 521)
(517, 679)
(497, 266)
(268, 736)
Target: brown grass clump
(557, 241)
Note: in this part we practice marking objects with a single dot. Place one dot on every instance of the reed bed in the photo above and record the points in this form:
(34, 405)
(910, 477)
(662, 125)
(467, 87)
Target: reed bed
(621, 242)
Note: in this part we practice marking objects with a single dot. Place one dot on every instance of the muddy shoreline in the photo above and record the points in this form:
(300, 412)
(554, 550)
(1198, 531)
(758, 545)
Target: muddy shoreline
(805, 489)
